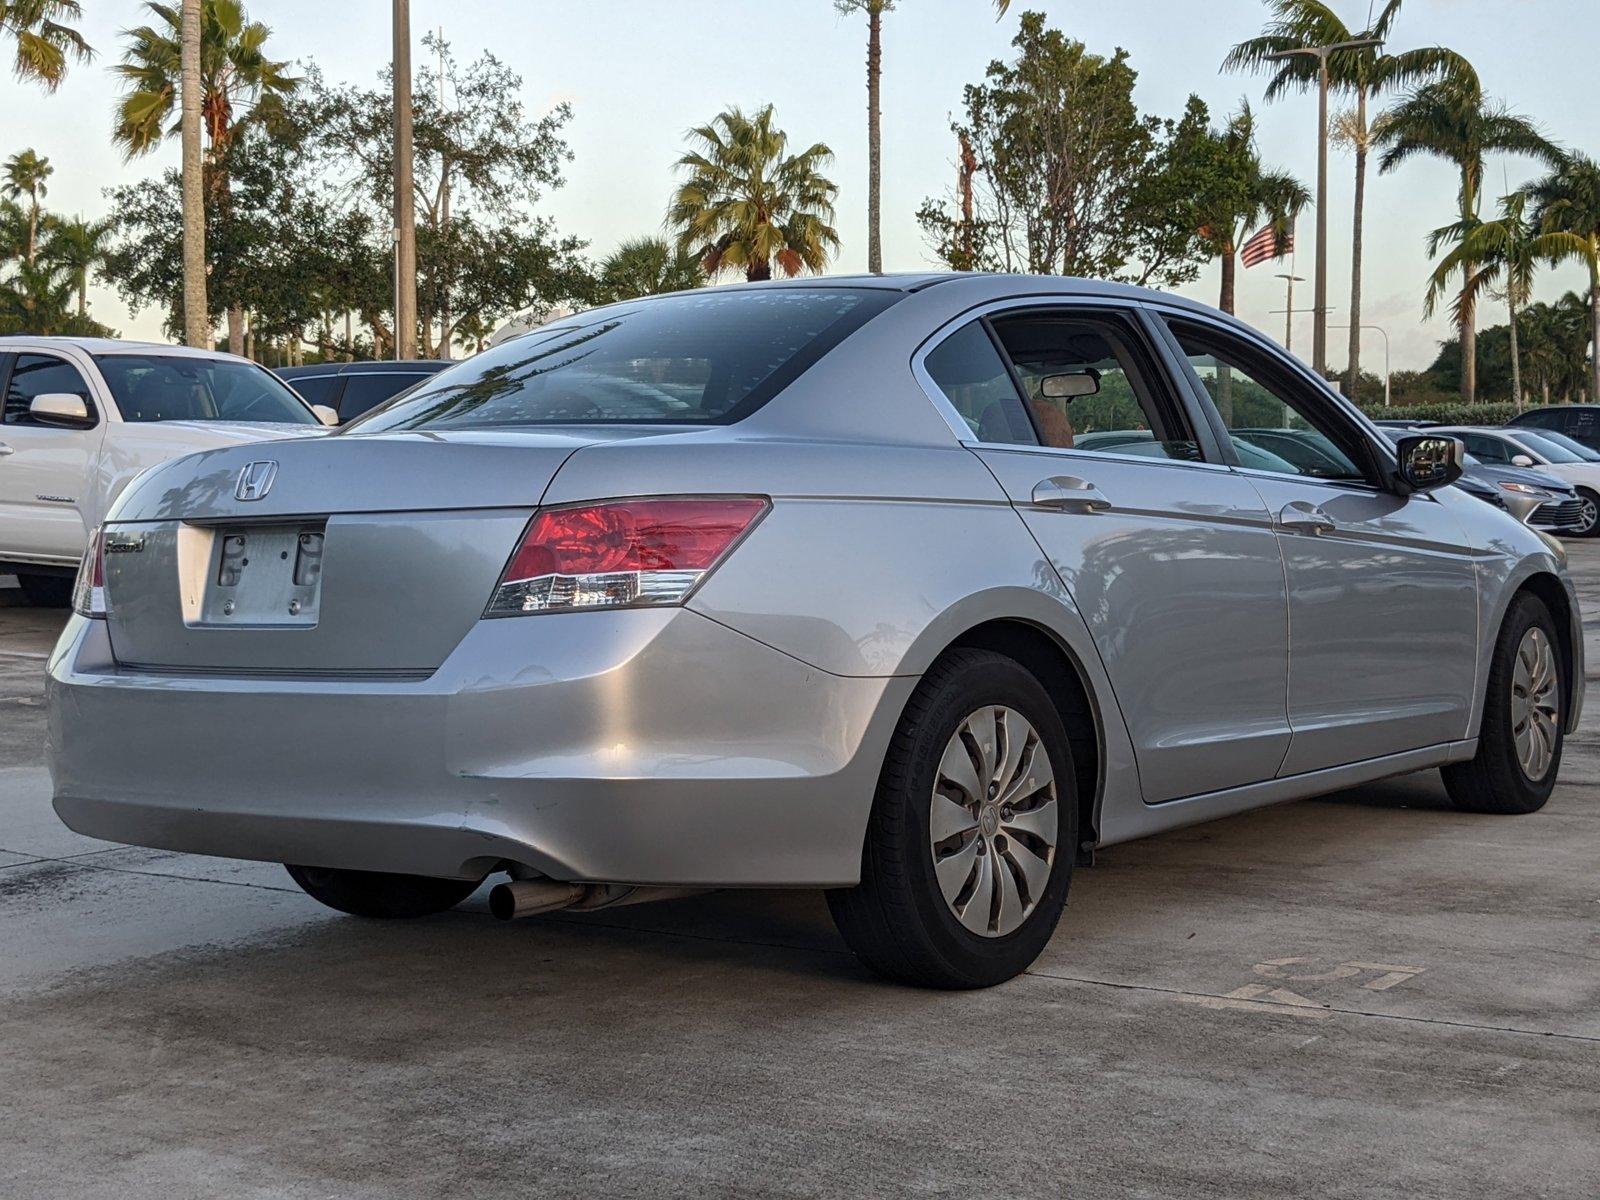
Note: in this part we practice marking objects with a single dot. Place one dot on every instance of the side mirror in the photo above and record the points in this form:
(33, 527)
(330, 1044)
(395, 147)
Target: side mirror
(1428, 460)
(325, 414)
(61, 409)
(1070, 385)
(1522, 460)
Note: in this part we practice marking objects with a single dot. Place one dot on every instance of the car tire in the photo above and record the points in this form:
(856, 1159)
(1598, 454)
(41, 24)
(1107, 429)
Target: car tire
(46, 591)
(1589, 524)
(378, 894)
(902, 920)
(1521, 738)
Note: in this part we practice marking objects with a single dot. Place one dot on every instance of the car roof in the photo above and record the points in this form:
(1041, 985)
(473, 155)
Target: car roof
(107, 346)
(408, 366)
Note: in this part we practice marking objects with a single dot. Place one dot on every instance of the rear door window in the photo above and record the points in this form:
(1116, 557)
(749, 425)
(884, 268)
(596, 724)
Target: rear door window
(317, 389)
(365, 391)
(969, 372)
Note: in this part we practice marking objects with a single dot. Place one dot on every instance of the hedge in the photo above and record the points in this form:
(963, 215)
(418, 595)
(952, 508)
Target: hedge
(1456, 413)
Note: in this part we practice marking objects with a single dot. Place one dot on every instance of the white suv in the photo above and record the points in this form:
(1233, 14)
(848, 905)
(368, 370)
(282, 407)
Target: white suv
(82, 416)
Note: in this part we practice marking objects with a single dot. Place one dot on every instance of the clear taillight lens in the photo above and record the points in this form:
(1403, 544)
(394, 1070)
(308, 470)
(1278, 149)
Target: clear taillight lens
(621, 554)
(89, 591)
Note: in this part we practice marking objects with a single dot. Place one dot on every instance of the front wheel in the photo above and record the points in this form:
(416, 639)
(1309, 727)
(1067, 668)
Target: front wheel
(1588, 514)
(971, 841)
(1520, 742)
(46, 591)
(378, 894)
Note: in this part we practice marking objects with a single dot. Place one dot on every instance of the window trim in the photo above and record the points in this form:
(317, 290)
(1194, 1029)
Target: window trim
(14, 356)
(1379, 464)
(1156, 349)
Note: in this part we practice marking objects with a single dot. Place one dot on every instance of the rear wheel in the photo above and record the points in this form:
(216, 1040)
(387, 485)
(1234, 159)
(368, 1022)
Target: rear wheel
(1520, 742)
(970, 845)
(46, 591)
(378, 894)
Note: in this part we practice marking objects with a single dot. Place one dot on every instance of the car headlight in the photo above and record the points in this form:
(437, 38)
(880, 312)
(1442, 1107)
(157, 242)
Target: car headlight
(1526, 489)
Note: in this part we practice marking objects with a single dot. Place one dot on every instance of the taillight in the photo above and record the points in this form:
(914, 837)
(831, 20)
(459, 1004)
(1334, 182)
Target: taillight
(89, 590)
(621, 553)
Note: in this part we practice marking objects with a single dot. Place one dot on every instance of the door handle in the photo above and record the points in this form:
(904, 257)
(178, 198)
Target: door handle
(1302, 516)
(1069, 494)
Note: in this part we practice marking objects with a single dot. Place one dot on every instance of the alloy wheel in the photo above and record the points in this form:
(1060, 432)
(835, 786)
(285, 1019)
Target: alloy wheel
(1588, 514)
(994, 822)
(1534, 703)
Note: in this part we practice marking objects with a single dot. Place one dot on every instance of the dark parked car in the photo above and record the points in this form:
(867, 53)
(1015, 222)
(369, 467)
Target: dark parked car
(352, 388)
(1580, 422)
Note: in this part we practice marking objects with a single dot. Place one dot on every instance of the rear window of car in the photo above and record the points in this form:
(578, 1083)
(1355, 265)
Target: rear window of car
(706, 357)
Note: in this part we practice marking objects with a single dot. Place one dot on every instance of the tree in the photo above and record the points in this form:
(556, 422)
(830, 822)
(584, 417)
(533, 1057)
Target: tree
(45, 40)
(746, 202)
(1503, 252)
(1568, 211)
(1061, 174)
(79, 247)
(647, 267)
(875, 10)
(1361, 72)
(1238, 193)
(196, 318)
(25, 173)
(480, 166)
(238, 84)
(1452, 119)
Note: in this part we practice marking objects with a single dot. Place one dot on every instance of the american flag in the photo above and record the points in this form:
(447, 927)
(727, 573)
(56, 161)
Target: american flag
(1266, 245)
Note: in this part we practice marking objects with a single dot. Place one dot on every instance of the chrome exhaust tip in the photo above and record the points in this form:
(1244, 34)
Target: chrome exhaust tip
(529, 897)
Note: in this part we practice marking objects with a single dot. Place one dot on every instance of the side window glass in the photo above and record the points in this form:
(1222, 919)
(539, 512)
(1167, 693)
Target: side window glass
(1487, 449)
(364, 392)
(38, 375)
(1090, 386)
(1272, 424)
(974, 379)
(316, 389)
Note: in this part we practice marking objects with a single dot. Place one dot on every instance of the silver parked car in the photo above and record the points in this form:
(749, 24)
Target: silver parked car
(829, 584)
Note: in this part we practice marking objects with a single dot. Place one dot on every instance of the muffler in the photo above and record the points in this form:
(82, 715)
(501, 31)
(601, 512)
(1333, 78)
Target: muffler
(529, 897)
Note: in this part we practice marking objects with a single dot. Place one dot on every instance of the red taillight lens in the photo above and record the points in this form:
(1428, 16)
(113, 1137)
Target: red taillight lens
(89, 590)
(621, 553)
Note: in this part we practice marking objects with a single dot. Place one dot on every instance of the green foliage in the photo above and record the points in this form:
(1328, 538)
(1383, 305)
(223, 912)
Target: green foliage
(44, 38)
(1070, 177)
(647, 267)
(747, 204)
(1452, 411)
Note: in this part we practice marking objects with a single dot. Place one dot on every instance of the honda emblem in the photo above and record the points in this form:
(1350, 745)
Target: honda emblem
(255, 481)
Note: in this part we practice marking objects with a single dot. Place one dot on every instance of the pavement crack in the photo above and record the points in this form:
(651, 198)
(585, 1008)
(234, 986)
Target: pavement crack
(1332, 1008)
(77, 861)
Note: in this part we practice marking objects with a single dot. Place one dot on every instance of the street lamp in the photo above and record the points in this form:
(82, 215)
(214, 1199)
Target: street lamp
(1385, 334)
(1319, 329)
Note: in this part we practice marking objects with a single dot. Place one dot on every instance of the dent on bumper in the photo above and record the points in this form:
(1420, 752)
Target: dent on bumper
(644, 746)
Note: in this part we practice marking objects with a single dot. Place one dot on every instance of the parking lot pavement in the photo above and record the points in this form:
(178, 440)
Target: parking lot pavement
(1366, 995)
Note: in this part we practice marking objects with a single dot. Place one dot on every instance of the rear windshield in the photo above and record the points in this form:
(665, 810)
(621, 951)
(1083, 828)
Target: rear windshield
(707, 357)
(170, 387)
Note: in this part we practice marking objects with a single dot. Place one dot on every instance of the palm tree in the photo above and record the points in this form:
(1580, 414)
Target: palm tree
(1247, 192)
(648, 267)
(1568, 211)
(747, 202)
(25, 173)
(1363, 72)
(875, 10)
(44, 38)
(1503, 252)
(196, 306)
(1452, 119)
(238, 83)
(79, 247)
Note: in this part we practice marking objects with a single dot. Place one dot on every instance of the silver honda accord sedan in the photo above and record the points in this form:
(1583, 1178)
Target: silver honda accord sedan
(915, 589)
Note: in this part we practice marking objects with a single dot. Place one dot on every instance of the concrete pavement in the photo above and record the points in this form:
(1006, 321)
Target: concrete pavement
(1366, 995)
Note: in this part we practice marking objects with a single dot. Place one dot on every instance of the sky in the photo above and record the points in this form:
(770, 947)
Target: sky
(638, 73)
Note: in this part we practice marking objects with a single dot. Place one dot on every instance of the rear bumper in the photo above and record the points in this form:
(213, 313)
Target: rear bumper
(644, 746)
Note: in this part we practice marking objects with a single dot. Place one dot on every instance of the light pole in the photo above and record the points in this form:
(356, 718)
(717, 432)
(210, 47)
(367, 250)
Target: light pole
(1319, 303)
(405, 217)
(1289, 280)
(1379, 329)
